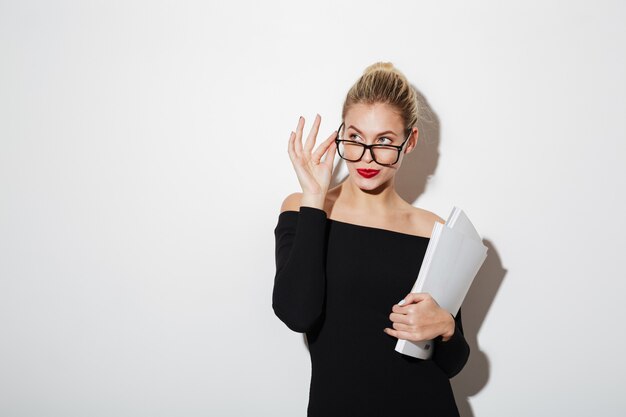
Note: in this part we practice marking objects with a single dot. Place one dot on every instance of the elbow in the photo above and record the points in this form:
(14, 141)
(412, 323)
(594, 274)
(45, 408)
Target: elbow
(454, 369)
(451, 356)
(299, 304)
(298, 321)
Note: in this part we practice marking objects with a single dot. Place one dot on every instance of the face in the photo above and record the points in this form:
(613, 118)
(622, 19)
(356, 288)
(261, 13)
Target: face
(377, 123)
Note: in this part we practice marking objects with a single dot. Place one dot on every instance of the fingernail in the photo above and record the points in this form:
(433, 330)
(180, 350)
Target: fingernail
(401, 302)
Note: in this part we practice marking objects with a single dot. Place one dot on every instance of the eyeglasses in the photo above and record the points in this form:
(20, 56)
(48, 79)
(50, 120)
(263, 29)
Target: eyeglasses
(353, 151)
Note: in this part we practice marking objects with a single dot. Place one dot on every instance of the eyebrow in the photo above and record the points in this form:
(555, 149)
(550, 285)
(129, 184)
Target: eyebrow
(379, 134)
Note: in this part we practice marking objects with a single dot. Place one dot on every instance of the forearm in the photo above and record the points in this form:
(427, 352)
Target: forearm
(300, 282)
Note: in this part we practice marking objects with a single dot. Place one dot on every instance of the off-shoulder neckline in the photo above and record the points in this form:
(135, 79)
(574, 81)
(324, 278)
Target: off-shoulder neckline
(364, 227)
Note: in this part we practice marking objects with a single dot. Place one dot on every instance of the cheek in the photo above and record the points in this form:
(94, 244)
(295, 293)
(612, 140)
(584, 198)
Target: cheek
(384, 172)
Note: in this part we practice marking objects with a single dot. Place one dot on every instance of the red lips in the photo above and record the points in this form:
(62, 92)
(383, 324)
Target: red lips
(368, 173)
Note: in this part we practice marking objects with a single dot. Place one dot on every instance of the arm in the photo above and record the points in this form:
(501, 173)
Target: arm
(451, 355)
(300, 280)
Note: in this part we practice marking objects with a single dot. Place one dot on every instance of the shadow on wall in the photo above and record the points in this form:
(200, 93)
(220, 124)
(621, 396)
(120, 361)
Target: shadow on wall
(411, 182)
(474, 377)
(421, 164)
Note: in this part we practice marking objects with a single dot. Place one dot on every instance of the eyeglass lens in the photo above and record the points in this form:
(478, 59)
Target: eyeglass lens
(353, 151)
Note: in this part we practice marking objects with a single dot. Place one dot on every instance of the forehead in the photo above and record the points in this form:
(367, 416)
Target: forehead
(376, 117)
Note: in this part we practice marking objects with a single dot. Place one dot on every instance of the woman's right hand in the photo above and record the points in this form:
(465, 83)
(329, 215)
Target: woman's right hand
(313, 174)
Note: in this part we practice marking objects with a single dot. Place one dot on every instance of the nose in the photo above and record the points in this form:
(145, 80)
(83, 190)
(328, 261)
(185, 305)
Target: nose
(367, 156)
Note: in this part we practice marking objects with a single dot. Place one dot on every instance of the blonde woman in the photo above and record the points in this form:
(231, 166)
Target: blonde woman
(347, 258)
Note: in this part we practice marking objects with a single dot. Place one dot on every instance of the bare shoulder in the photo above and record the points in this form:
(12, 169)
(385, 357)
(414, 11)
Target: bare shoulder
(291, 202)
(434, 217)
(423, 221)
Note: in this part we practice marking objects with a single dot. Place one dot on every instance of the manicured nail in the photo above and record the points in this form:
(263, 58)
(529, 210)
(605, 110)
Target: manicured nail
(401, 302)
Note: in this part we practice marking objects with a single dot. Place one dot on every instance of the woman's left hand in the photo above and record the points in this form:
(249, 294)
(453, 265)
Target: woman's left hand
(420, 318)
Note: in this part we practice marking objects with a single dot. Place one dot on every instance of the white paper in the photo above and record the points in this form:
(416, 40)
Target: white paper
(453, 257)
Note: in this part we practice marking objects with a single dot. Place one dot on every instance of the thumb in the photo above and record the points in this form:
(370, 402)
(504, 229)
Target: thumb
(412, 297)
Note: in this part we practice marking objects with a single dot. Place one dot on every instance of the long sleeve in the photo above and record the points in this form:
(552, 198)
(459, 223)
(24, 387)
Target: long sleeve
(451, 356)
(300, 280)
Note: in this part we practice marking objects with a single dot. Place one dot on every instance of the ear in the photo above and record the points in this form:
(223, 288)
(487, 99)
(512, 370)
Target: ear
(412, 142)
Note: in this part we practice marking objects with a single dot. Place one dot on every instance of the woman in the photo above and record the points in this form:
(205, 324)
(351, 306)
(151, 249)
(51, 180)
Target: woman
(346, 255)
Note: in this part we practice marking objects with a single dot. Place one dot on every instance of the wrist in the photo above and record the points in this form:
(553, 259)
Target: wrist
(313, 200)
(450, 326)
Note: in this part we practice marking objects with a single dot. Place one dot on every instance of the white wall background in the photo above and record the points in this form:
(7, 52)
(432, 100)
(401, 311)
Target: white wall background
(143, 163)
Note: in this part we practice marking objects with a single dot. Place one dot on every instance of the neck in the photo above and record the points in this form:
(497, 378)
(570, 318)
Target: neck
(378, 201)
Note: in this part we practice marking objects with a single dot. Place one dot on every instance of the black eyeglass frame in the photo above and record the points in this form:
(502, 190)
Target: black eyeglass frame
(374, 145)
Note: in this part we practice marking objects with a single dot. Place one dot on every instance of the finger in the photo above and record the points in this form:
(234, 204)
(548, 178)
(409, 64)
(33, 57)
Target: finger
(329, 159)
(324, 146)
(413, 297)
(290, 146)
(422, 297)
(310, 140)
(400, 334)
(399, 318)
(298, 138)
(406, 308)
(401, 326)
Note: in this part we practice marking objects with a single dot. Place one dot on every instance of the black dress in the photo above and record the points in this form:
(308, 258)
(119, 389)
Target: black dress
(337, 282)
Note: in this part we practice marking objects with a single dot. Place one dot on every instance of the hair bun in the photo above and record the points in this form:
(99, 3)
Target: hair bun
(381, 82)
(380, 66)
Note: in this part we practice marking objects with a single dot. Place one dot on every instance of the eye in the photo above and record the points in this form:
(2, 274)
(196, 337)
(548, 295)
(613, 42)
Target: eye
(385, 138)
(353, 136)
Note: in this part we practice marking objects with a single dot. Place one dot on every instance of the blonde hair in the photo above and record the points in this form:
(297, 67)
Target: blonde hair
(381, 82)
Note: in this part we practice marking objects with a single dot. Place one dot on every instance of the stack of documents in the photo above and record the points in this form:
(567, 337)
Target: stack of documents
(453, 257)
